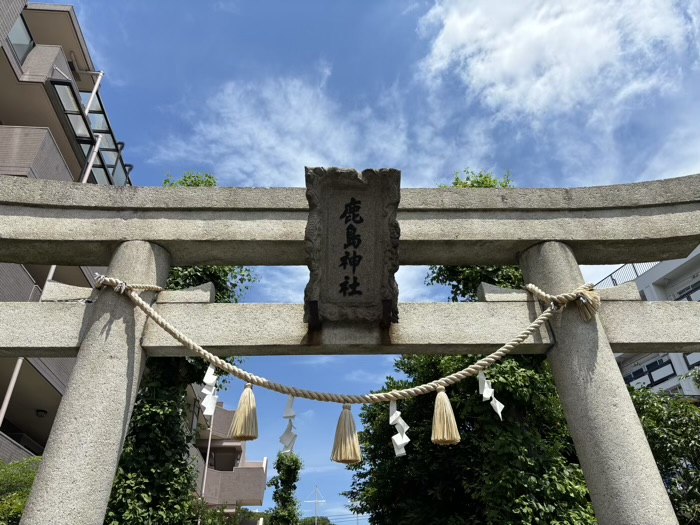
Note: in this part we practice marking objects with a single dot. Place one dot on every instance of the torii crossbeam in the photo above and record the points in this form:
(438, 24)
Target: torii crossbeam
(140, 232)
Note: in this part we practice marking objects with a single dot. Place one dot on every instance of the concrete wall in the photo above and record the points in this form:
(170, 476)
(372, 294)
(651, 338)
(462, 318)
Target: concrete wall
(31, 152)
(244, 485)
(11, 451)
(38, 66)
(198, 461)
(222, 422)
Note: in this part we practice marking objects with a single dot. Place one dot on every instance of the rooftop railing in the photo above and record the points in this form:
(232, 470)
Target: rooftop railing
(625, 273)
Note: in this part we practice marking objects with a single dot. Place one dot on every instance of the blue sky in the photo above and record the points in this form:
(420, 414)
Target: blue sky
(577, 93)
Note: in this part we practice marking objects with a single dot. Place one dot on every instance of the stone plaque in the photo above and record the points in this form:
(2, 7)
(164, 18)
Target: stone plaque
(352, 242)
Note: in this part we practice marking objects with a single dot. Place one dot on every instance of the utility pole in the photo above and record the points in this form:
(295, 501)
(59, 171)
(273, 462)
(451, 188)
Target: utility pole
(316, 501)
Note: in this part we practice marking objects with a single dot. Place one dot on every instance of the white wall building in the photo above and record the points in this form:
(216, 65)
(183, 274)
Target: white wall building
(676, 280)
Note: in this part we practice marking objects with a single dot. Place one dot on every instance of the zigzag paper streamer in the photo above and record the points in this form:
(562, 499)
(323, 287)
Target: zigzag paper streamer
(289, 438)
(399, 440)
(487, 394)
(209, 391)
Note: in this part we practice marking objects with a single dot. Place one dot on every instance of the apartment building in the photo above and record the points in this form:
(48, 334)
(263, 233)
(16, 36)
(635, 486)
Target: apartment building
(676, 280)
(47, 78)
(54, 125)
(230, 477)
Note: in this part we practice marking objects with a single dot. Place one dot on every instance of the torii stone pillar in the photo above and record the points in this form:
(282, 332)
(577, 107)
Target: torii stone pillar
(620, 471)
(75, 478)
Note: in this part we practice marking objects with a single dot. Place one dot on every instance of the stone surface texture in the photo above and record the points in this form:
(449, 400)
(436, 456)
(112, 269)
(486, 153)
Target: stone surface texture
(623, 292)
(48, 222)
(75, 478)
(492, 293)
(56, 329)
(55, 291)
(352, 241)
(620, 471)
(204, 293)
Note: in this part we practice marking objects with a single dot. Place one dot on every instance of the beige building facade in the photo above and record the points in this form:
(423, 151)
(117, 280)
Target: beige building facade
(54, 125)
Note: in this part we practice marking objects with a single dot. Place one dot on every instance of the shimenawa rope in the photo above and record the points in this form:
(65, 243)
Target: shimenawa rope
(584, 294)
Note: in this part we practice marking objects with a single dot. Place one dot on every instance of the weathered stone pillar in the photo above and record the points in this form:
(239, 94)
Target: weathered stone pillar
(75, 478)
(620, 471)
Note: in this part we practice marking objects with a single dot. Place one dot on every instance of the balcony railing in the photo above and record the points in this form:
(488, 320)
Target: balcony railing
(625, 273)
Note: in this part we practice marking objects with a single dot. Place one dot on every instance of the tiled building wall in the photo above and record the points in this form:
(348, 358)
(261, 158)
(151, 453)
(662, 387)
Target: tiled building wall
(11, 9)
(16, 284)
(222, 422)
(39, 64)
(31, 152)
(11, 451)
(56, 370)
(49, 163)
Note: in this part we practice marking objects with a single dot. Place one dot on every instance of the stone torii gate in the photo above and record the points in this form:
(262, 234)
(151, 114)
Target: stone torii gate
(140, 232)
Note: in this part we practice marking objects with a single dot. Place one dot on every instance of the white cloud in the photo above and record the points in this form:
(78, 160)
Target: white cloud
(535, 57)
(227, 6)
(679, 154)
(593, 87)
(412, 287)
(322, 468)
(263, 133)
(307, 414)
(317, 360)
(279, 284)
(372, 379)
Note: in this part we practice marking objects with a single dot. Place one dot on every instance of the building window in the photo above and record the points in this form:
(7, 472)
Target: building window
(692, 360)
(652, 373)
(112, 168)
(65, 93)
(20, 40)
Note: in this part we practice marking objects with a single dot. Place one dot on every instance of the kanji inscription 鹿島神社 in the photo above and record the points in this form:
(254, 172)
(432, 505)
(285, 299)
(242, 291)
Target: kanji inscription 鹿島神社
(352, 245)
(353, 240)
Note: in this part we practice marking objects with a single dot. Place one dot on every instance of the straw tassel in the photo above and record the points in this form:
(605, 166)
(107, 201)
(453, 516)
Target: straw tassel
(346, 447)
(245, 422)
(444, 425)
(588, 303)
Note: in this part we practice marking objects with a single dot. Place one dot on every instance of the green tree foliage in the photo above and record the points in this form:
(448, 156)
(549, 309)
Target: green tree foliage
(231, 282)
(464, 280)
(219, 515)
(156, 480)
(287, 509)
(15, 484)
(672, 427)
(322, 520)
(522, 470)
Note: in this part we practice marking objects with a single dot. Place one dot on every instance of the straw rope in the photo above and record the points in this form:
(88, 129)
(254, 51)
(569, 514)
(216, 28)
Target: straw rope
(556, 302)
(560, 300)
